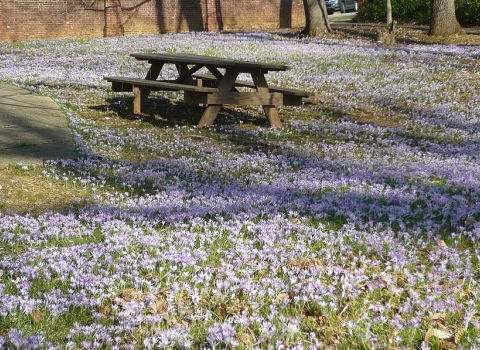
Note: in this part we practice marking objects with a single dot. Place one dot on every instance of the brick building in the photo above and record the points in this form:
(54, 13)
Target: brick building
(48, 19)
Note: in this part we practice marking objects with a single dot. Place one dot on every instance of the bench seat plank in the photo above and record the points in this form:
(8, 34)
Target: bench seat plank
(142, 88)
(245, 98)
(124, 84)
(212, 80)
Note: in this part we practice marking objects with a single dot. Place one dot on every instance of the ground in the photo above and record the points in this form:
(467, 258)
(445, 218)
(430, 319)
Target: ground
(404, 35)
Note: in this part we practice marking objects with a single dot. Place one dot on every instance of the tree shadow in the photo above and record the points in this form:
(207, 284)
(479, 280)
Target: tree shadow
(218, 14)
(286, 13)
(327, 201)
(444, 146)
(165, 112)
(330, 198)
(191, 13)
(217, 9)
(160, 16)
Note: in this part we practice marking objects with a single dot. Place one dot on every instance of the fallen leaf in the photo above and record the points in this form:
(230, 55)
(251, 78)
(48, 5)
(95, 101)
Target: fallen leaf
(304, 263)
(244, 338)
(236, 309)
(437, 316)
(37, 315)
(129, 294)
(397, 279)
(281, 298)
(428, 335)
(105, 309)
(437, 333)
(159, 305)
(458, 335)
(222, 311)
(442, 244)
(291, 294)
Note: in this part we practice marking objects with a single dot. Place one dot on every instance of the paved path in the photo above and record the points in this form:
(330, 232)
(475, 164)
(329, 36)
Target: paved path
(33, 128)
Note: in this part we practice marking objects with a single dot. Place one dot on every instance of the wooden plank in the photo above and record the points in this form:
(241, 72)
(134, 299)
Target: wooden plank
(154, 71)
(127, 84)
(137, 100)
(225, 85)
(270, 111)
(292, 100)
(209, 115)
(195, 98)
(210, 81)
(185, 73)
(207, 83)
(121, 87)
(216, 62)
(246, 98)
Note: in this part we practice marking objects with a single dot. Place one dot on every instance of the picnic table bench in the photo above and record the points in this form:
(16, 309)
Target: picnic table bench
(213, 90)
(143, 87)
(291, 97)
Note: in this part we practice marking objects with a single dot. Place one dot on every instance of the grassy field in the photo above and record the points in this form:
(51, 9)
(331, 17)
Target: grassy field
(355, 226)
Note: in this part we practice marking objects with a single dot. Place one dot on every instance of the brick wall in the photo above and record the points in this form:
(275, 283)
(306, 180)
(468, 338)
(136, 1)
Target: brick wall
(38, 19)
(47, 19)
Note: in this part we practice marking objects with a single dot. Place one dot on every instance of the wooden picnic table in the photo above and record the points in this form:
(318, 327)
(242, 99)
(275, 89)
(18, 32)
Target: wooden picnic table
(215, 89)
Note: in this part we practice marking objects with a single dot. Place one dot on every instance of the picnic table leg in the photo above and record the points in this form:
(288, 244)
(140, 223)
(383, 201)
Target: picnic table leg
(226, 84)
(270, 110)
(154, 71)
(185, 73)
(141, 94)
(137, 100)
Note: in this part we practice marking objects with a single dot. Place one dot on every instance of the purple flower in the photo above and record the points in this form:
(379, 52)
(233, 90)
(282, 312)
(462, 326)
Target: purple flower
(223, 333)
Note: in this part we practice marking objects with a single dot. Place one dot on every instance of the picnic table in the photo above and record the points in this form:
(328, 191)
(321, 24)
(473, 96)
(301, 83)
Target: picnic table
(214, 89)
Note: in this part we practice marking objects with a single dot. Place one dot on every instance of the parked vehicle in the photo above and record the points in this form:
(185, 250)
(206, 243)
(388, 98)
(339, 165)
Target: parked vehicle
(341, 5)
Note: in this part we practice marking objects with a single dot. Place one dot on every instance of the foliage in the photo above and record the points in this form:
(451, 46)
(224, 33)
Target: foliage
(417, 11)
(468, 12)
(404, 11)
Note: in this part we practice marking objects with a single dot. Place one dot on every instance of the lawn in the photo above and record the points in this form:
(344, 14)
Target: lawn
(355, 226)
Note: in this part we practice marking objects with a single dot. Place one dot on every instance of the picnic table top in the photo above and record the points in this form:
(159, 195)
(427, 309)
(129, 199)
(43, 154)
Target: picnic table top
(216, 62)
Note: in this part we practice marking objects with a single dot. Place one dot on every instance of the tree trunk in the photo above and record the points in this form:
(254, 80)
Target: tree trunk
(389, 13)
(443, 21)
(387, 36)
(316, 16)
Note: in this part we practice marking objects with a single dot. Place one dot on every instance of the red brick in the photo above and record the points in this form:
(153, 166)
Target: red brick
(48, 19)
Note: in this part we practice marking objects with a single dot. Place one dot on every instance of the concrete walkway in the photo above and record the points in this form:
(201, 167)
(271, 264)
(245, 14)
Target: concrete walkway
(33, 128)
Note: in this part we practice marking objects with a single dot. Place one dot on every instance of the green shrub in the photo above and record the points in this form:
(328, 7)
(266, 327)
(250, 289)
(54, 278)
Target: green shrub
(468, 12)
(417, 11)
(372, 11)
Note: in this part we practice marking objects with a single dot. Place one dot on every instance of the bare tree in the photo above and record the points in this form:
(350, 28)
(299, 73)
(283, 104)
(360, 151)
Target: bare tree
(316, 16)
(443, 21)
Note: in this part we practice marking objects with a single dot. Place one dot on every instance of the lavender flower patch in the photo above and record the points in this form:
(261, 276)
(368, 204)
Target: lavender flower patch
(332, 232)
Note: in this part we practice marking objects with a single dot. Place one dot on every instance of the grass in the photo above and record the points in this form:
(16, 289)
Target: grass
(353, 227)
(25, 190)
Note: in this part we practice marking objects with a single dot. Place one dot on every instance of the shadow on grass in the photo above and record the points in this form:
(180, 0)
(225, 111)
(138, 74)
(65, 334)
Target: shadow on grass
(163, 112)
(332, 203)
